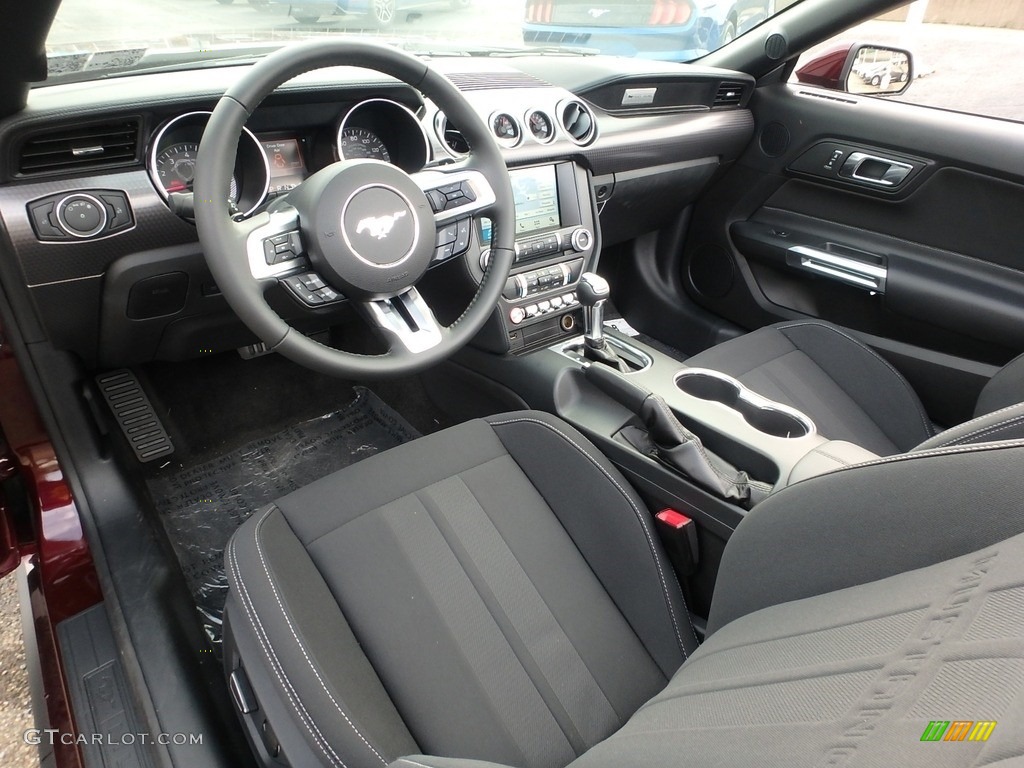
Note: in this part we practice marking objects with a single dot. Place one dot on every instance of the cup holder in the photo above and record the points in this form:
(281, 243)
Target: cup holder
(763, 415)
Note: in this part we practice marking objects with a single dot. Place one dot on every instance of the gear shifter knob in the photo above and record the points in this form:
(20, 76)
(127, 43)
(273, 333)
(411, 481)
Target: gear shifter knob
(592, 289)
(592, 293)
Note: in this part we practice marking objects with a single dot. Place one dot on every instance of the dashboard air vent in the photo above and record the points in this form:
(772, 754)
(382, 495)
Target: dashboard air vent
(80, 147)
(728, 95)
(485, 81)
(578, 121)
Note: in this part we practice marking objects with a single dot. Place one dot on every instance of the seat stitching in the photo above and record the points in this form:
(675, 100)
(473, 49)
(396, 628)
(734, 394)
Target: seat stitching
(836, 459)
(301, 645)
(976, 448)
(899, 377)
(992, 428)
(639, 516)
(276, 666)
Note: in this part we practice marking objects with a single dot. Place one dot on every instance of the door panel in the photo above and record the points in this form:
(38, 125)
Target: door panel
(914, 242)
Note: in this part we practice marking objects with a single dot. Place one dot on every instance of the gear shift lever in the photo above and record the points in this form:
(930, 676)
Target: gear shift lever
(593, 292)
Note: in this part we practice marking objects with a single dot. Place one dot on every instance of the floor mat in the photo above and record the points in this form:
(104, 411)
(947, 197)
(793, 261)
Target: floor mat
(202, 505)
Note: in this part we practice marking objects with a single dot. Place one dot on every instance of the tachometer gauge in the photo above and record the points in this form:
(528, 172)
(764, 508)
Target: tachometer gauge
(176, 169)
(540, 126)
(362, 144)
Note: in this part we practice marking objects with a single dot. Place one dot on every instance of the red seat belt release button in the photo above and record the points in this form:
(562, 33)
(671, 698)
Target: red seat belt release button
(679, 535)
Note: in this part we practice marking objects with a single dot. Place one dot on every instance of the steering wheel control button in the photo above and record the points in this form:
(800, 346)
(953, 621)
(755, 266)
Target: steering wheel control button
(282, 248)
(449, 196)
(462, 235)
(311, 290)
(312, 281)
(437, 200)
(444, 252)
(447, 235)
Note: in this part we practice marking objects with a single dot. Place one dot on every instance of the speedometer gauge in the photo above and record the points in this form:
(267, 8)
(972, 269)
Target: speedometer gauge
(362, 144)
(176, 169)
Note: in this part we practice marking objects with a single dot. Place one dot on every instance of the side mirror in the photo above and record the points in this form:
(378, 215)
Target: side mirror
(873, 70)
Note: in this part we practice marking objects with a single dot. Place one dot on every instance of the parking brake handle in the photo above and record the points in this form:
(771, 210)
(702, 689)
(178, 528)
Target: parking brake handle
(665, 436)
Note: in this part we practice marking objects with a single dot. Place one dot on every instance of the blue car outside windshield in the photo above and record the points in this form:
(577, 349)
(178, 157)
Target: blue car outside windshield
(675, 30)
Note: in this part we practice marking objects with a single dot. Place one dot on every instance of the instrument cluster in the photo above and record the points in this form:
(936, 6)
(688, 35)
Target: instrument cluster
(269, 165)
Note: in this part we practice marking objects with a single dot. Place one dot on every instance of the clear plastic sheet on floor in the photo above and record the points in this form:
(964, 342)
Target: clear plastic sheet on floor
(202, 505)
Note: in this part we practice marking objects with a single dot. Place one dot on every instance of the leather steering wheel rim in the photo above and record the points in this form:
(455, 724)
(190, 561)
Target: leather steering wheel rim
(224, 239)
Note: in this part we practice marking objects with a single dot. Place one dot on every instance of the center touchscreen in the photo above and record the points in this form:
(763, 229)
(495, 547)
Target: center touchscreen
(536, 197)
(535, 193)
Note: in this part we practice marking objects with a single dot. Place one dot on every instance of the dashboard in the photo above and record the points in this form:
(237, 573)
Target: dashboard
(97, 177)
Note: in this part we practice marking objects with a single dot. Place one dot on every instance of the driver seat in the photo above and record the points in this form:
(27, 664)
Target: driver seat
(496, 592)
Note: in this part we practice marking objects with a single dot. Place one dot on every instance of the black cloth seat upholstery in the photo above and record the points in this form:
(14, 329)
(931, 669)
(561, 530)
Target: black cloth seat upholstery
(852, 393)
(495, 592)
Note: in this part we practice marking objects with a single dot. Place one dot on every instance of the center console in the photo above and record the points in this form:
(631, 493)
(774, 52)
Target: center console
(555, 245)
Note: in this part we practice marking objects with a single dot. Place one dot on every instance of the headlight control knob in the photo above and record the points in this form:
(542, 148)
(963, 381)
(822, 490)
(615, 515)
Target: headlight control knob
(81, 215)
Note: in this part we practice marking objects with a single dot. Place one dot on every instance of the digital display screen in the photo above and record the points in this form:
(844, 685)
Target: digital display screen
(287, 170)
(536, 196)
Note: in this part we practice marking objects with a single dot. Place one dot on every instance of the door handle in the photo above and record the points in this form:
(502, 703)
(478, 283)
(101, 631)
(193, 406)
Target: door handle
(870, 277)
(873, 169)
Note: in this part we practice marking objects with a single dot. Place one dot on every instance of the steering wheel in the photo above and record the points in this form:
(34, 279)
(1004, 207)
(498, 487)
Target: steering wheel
(367, 228)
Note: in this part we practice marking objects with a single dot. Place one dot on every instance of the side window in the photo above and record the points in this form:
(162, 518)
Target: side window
(968, 55)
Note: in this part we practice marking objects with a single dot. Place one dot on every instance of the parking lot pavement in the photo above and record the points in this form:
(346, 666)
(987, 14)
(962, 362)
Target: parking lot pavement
(15, 707)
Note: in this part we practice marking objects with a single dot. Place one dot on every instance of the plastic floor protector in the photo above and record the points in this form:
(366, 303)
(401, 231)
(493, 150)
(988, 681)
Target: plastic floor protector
(202, 505)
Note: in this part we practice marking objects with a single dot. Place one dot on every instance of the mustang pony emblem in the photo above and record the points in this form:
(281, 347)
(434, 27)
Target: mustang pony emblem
(597, 13)
(379, 226)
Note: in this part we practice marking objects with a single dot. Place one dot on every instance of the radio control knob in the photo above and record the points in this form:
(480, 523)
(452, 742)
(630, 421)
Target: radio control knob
(582, 239)
(485, 259)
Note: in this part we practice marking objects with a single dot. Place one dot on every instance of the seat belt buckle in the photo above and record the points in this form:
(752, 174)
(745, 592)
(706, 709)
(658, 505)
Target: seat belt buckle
(679, 535)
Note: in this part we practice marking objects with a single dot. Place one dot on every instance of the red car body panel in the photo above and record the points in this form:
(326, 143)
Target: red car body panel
(62, 578)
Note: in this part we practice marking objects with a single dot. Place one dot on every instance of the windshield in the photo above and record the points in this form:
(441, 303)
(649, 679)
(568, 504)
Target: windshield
(90, 38)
